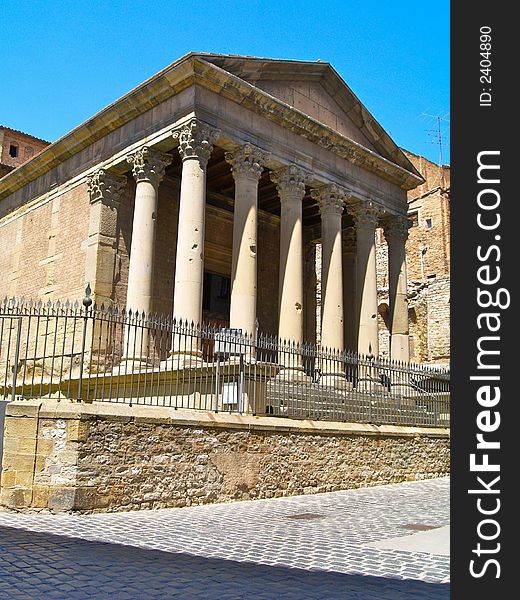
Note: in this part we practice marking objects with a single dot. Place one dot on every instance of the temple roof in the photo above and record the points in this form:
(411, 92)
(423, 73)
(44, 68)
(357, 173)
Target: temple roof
(258, 71)
(271, 87)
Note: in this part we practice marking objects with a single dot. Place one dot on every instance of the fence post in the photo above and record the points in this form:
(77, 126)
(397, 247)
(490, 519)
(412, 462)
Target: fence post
(87, 302)
(16, 359)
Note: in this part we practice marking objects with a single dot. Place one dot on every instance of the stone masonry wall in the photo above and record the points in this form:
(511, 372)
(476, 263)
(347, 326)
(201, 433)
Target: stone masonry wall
(111, 458)
(429, 321)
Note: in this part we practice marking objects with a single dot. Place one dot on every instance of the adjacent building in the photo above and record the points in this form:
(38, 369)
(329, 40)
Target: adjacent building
(16, 147)
(428, 266)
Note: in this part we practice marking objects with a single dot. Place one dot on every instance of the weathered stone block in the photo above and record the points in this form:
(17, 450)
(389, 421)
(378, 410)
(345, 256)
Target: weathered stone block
(18, 462)
(44, 446)
(85, 498)
(20, 427)
(61, 499)
(24, 478)
(77, 431)
(8, 478)
(16, 497)
(40, 496)
(25, 408)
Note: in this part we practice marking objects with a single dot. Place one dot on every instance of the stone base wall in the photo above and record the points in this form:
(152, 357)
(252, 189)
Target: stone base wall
(99, 457)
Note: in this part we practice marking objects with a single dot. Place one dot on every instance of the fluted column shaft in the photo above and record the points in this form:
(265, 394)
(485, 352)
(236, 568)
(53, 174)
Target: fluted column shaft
(247, 166)
(396, 233)
(331, 201)
(366, 220)
(290, 183)
(148, 168)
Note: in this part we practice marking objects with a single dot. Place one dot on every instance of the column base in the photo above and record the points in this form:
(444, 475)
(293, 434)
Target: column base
(297, 375)
(335, 380)
(369, 385)
(182, 360)
(127, 366)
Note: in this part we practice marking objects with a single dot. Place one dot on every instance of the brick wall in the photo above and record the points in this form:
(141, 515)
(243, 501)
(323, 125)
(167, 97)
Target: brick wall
(429, 321)
(428, 245)
(42, 250)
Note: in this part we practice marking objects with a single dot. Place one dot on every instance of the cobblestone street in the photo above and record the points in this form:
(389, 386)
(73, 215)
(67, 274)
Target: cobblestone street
(384, 543)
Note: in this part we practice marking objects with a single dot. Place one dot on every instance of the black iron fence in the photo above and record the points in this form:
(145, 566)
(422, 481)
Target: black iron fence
(81, 351)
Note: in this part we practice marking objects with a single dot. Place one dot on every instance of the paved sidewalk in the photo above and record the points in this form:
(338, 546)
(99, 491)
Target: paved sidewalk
(325, 546)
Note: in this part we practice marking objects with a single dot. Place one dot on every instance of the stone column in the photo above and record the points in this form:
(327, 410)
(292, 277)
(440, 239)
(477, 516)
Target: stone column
(331, 201)
(195, 147)
(290, 182)
(105, 190)
(366, 218)
(148, 168)
(247, 164)
(396, 233)
(349, 288)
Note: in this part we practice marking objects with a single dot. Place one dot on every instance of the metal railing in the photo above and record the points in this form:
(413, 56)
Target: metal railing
(81, 351)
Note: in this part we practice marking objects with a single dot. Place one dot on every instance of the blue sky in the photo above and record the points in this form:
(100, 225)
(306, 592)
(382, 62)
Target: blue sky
(63, 60)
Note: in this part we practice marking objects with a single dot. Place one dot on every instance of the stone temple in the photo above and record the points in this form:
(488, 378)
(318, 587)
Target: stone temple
(202, 194)
(211, 193)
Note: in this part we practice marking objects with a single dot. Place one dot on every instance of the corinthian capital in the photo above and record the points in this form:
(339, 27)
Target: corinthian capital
(247, 160)
(105, 187)
(330, 198)
(196, 140)
(365, 214)
(290, 180)
(396, 228)
(148, 164)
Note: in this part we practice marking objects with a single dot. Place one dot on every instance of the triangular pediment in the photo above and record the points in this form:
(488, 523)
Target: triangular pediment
(310, 98)
(315, 89)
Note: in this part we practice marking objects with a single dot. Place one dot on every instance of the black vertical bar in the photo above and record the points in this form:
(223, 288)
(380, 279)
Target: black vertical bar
(16, 357)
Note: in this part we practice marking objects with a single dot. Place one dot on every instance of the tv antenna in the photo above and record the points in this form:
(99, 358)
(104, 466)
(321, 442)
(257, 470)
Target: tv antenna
(437, 133)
